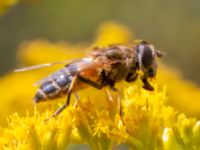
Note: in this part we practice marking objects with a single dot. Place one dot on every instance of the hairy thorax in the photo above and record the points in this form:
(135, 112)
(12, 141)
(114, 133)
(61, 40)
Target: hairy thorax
(117, 61)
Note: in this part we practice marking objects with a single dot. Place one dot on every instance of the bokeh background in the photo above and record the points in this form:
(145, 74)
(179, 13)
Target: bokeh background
(173, 26)
(53, 27)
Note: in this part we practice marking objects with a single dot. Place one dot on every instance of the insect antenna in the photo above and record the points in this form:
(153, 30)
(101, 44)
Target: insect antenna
(160, 54)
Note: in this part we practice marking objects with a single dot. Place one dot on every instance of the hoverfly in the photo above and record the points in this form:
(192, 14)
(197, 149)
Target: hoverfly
(103, 67)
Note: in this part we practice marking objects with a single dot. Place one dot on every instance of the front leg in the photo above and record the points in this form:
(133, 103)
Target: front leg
(131, 77)
(147, 85)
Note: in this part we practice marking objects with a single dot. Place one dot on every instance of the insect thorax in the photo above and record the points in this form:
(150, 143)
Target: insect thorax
(118, 62)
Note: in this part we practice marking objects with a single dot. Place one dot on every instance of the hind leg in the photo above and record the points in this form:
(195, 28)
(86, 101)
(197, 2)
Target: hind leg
(99, 86)
(59, 110)
(82, 79)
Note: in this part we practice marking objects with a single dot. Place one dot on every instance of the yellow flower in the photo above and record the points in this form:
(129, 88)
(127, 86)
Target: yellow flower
(149, 120)
(110, 33)
(182, 95)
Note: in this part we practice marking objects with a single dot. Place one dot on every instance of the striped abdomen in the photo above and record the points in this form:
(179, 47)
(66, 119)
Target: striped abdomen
(54, 86)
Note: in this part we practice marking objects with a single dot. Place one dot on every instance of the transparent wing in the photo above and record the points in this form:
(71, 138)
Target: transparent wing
(72, 68)
(42, 66)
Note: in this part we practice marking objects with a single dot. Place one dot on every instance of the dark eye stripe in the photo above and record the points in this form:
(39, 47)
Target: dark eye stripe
(147, 57)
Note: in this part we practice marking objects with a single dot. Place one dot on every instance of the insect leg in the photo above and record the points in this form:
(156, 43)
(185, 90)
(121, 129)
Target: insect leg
(76, 96)
(147, 85)
(68, 98)
(77, 99)
(119, 102)
(131, 78)
(99, 86)
(90, 82)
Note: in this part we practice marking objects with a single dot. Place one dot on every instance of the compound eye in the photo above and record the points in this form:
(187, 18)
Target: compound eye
(147, 56)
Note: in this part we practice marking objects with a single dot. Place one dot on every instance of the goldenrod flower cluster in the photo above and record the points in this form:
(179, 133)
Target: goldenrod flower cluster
(151, 120)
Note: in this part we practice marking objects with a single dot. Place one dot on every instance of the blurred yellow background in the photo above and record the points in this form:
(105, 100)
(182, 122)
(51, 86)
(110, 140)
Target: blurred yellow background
(173, 26)
(39, 31)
